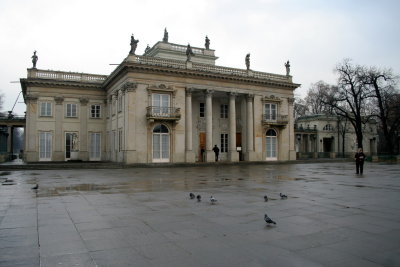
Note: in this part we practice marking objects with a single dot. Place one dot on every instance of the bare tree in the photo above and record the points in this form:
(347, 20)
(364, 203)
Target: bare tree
(348, 99)
(385, 102)
(316, 98)
(300, 107)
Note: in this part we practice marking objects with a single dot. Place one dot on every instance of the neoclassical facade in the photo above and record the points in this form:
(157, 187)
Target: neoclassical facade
(323, 135)
(168, 105)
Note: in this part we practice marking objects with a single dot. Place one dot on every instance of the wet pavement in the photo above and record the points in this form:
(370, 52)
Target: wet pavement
(144, 216)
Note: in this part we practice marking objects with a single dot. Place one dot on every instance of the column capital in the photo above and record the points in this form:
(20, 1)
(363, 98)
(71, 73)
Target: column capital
(84, 101)
(31, 98)
(209, 92)
(249, 97)
(128, 87)
(232, 94)
(59, 100)
(290, 100)
(189, 91)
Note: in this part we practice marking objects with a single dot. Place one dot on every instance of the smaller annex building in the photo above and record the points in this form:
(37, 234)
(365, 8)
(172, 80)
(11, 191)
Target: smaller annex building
(327, 136)
(171, 104)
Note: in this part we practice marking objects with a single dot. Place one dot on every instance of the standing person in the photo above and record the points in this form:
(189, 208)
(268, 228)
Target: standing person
(216, 151)
(359, 157)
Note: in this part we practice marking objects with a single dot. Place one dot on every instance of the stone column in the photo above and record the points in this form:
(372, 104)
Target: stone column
(83, 145)
(292, 151)
(233, 154)
(31, 135)
(210, 156)
(129, 91)
(58, 134)
(250, 128)
(189, 155)
(10, 131)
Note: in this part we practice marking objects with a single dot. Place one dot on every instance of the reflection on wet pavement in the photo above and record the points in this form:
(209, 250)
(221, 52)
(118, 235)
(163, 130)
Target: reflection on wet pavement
(144, 216)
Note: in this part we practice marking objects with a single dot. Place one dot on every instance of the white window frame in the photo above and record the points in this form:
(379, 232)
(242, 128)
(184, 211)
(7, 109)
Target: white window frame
(270, 111)
(95, 111)
(71, 110)
(224, 143)
(45, 146)
(161, 102)
(224, 111)
(46, 109)
(95, 146)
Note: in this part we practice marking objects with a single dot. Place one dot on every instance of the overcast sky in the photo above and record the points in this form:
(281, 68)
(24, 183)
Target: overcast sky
(89, 35)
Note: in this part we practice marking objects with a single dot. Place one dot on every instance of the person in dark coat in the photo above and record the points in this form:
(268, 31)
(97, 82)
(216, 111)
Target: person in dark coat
(216, 151)
(359, 157)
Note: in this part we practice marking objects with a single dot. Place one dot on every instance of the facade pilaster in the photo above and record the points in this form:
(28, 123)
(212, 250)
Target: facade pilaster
(249, 156)
(31, 151)
(291, 135)
(128, 89)
(83, 145)
(233, 154)
(189, 154)
(210, 156)
(58, 154)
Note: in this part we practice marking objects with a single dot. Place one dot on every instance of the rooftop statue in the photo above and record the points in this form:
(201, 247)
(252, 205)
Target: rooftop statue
(147, 49)
(133, 45)
(189, 53)
(207, 44)
(165, 38)
(247, 60)
(287, 65)
(34, 59)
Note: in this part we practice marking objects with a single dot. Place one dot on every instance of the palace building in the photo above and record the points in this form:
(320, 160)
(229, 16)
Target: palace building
(171, 104)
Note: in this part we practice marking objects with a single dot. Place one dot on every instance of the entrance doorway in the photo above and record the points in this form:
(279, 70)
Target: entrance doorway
(161, 144)
(271, 145)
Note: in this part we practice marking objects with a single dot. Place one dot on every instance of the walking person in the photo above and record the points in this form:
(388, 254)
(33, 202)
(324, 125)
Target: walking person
(216, 151)
(359, 157)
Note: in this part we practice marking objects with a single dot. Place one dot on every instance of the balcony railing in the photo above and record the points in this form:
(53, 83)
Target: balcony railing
(277, 120)
(163, 113)
(66, 76)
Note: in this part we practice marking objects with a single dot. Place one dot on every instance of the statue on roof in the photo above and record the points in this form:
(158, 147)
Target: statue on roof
(34, 59)
(165, 38)
(207, 44)
(189, 53)
(147, 49)
(247, 61)
(287, 65)
(133, 45)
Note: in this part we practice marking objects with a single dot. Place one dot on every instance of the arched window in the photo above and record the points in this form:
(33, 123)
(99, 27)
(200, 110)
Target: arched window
(160, 143)
(271, 145)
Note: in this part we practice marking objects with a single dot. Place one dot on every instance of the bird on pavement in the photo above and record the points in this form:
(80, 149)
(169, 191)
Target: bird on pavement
(265, 198)
(36, 187)
(192, 196)
(213, 200)
(268, 219)
(282, 195)
(198, 198)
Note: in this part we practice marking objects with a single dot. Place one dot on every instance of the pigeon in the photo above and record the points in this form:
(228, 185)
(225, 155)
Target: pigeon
(35, 187)
(192, 196)
(282, 195)
(198, 198)
(265, 198)
(268, 219)
(213, 200)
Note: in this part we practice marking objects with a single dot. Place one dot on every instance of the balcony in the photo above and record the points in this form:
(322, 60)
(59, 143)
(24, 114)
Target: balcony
(277, 121)
(155, 113)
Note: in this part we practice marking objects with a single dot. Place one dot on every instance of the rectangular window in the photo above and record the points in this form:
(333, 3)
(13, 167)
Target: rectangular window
(71, 111)
(202, 110)
(270, 111)
(161, 104)
(224, 111)
(95, 111)
(45, 109)
(224, 143)
(45, 145)
(95, 146)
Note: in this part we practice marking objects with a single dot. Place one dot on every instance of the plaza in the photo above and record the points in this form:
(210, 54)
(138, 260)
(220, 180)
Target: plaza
(144, 216)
